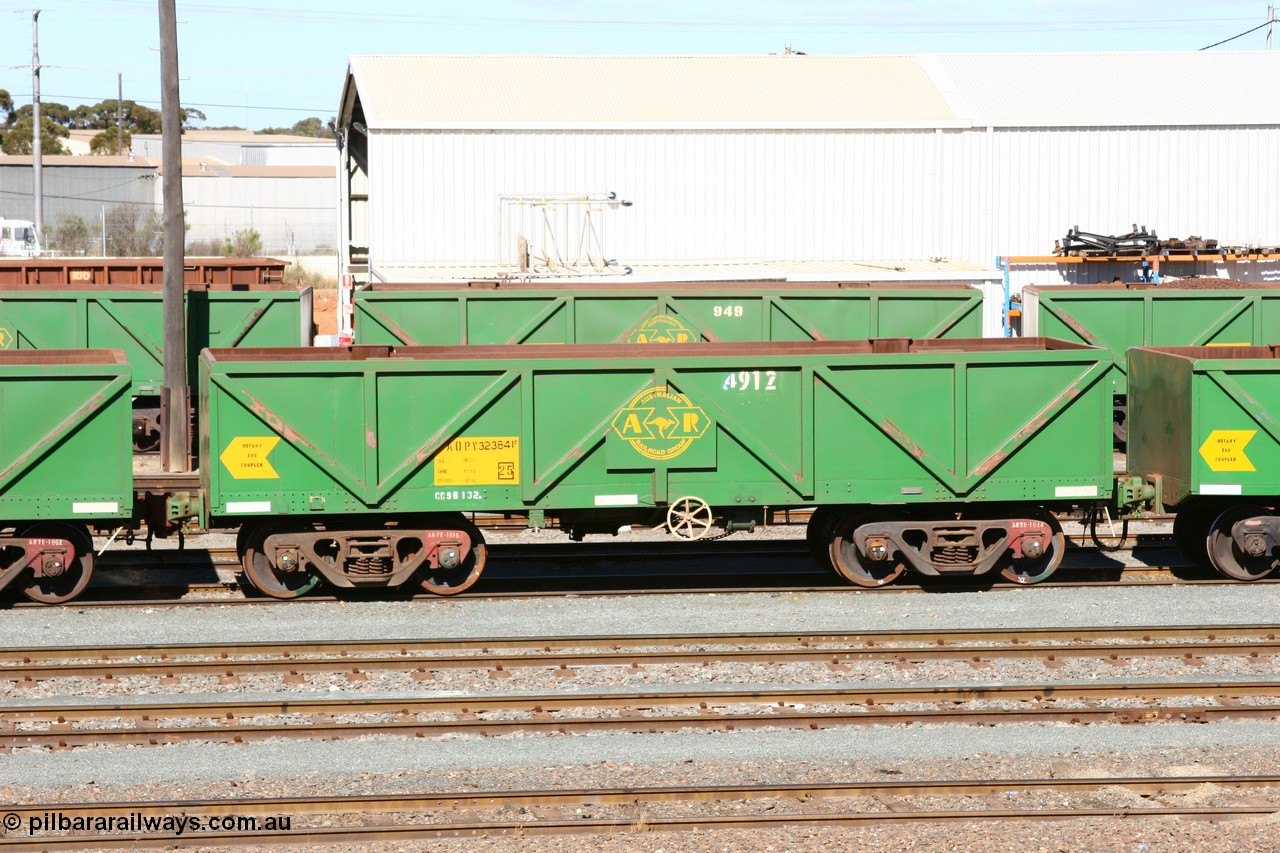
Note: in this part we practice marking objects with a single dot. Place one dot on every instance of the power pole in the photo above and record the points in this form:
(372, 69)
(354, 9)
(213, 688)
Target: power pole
(1271, 19)
(120, 113)
(37, 163)
(175, 450)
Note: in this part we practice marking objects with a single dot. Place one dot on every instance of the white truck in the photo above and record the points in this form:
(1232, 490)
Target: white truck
(18, 238)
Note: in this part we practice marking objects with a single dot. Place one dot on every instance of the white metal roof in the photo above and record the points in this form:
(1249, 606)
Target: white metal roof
(796, 91)
(643, 91)
(1110, 89)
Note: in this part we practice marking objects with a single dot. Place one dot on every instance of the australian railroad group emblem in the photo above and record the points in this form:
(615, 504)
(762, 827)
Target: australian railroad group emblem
(661, 329)
(660, 423)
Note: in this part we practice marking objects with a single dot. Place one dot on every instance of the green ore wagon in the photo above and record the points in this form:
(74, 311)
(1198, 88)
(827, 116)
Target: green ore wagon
(681, 312)
(65, 464)
(360, 465)
(1205, 432)
(1189, 312)
(131, 319)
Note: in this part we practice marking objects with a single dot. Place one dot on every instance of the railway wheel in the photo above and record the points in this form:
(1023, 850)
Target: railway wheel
(850, 563)
(1191, 533)
(1029, 570)
(441, 581)
(259, 567)
(1228, 558)
(75, 577)
(818, 532)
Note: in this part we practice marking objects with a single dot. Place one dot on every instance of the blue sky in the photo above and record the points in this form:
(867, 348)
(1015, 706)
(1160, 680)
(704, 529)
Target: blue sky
(274, 62)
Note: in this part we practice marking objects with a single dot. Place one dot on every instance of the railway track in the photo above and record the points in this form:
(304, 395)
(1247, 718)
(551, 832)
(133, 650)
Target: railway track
(489, 713)
(163, 592)
(567, 654)
(635, 810)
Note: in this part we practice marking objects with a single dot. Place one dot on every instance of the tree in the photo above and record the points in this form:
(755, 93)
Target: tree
(104, 115)
(245, 243)
(59, 114)
(307, 127)
(17, 137)
(72, 236)
(108, 142)
(133, 232)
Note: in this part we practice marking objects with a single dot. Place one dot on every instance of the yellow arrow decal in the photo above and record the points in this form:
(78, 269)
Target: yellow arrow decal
(6, 339)
(1224, 450)
(246, 457)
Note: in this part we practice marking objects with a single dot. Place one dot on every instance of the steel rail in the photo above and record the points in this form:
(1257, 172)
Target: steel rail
(634, 723)
(702, 699)
(402, 659)
(561, 798)
(871, 638)
(313, 836)
(925, 638)
(230, 709)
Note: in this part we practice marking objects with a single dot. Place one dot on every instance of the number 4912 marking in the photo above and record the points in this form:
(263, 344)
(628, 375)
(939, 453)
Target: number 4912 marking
(752, 380)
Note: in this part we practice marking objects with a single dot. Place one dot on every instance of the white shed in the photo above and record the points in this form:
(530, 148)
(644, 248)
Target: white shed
(562, 165)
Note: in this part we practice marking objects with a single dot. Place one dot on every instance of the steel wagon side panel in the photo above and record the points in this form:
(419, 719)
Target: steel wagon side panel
(1118, 318)
(65, 420)
(502, 428)
(73, 272)
(1209, 420)
(658, 314)
(133, 321)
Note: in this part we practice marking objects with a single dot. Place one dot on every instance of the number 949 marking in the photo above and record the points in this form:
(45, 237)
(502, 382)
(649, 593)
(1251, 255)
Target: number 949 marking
(752, 380)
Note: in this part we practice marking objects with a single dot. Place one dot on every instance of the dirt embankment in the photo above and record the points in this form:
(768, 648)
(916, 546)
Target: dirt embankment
(324, 311)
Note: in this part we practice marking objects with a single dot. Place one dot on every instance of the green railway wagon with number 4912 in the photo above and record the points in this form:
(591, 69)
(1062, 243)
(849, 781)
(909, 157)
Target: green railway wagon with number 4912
(359, 466)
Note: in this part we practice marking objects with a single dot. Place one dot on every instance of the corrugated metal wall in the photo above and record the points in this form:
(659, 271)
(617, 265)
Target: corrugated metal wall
(85, 191)
(239, 153)
(286, 212)
(827, 195)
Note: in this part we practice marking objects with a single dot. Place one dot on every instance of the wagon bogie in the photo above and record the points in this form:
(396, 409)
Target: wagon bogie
(872, 546)
(286, 558)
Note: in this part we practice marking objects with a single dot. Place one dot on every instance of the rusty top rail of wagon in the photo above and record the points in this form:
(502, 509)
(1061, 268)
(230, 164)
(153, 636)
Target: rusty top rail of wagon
(875, 346)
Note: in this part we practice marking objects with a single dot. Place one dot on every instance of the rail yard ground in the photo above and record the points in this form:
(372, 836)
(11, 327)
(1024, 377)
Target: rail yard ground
(630, 757)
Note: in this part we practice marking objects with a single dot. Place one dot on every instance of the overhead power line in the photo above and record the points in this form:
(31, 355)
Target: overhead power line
(1245, 33)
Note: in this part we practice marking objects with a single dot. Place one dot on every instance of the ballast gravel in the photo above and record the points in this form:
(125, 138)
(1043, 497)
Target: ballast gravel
(536, 761)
